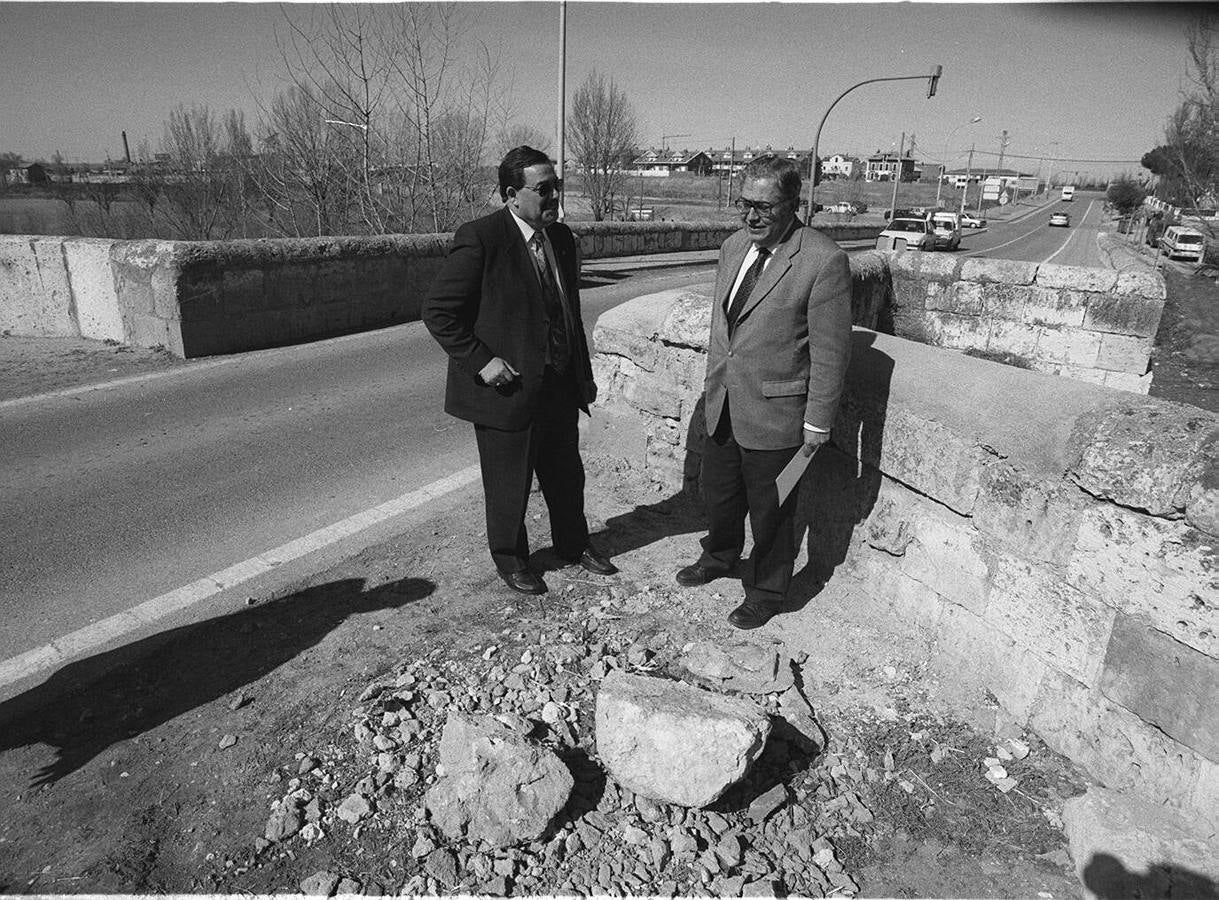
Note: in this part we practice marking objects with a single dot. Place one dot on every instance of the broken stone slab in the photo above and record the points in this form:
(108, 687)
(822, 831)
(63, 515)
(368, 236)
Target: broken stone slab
(320, 884)
(673, 742)
(497, 787)
(1124, 846)
(751, 667)
(798, 713)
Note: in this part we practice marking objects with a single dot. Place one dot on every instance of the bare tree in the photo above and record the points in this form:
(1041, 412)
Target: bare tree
(202, 186)
(403, 110)
(603, 137)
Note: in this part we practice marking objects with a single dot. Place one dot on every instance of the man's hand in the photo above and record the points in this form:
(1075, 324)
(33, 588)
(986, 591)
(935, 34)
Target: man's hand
(498, 373)
(813, 440)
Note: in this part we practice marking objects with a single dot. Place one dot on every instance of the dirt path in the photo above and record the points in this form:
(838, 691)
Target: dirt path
(161, 775)
(1186, 355)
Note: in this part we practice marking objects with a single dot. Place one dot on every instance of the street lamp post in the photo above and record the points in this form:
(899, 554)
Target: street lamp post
(943, 168)
(933, 81)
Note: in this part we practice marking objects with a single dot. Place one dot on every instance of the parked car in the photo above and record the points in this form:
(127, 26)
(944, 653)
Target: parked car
(972, 221)
(946, 226)
(1060, 220)
(907, 233)
(841, 207)
(1184, 242)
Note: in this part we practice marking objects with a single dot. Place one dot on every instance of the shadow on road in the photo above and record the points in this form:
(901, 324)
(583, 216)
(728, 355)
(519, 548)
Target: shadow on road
(91, 704)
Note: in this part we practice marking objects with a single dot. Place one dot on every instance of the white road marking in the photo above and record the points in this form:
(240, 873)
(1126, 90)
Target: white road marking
(1050, 258)
(84, 639)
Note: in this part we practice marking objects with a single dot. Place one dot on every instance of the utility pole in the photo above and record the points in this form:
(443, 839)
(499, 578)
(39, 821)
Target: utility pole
(1003, 142)
(562, 110)
(968, 175)
(897, 177)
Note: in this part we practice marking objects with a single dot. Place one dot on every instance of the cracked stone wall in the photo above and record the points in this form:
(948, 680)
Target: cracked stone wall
(197, 298)
(1093, 325)
(1050, 543)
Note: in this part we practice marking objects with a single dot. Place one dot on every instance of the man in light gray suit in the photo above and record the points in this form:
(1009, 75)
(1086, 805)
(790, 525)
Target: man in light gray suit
(780, 340)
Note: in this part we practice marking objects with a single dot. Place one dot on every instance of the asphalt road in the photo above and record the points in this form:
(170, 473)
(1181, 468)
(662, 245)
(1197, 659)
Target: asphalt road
(1029, 237)
(119, 496)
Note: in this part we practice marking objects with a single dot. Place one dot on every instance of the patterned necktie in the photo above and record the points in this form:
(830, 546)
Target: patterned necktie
(558, 350)
(747, 283)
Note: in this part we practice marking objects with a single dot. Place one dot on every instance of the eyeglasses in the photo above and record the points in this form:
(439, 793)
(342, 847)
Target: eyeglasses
(547, 188)
(763, 209)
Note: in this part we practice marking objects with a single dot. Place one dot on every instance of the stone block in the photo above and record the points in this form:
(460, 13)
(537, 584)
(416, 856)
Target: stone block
(918, 452)
(94, 293)
(1149, 285)
(1128, 381)
(1163, 572)
(1057, 622)
(1005, 301)
(1031, 516)
(970, 647)
(1069, 346)
(684, 368)
(1202, 490)
(1115, 746)
(1123, 353)
(645, 727)
(639, 348)
(916, 324)
(653, 395)
(1205, 795)
(1076, 278)
(606, 369)
(48, 296)
(998, 271)
(1056, 308)
(1140, 453)
(944, 556)
(1123, 314)
(1164, 683)
(1084, 374)
(1013, 337)
(963, 298)
(939, 296)
(963, 332)
(1135, 847)
(688, 321)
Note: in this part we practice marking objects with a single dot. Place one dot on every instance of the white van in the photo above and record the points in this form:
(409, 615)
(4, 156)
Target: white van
(1068, 192)
(1181, 241)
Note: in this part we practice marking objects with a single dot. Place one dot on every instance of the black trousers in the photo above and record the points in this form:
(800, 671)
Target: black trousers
(550, 446)
(739, 482)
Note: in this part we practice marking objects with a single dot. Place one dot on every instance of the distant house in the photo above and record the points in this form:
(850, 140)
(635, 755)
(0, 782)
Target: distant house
(733, 161)
(662, 163)
(35, 173)
(886, 166)
(839, 166)
(1005, 177)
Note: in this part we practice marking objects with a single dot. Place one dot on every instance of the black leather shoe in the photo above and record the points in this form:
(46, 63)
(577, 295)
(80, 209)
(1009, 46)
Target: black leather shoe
(524, 582)
(596, 563)
(696, 574)
(751, 614)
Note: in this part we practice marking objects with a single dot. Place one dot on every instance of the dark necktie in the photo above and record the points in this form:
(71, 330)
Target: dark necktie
(747, 283)
(558, 347)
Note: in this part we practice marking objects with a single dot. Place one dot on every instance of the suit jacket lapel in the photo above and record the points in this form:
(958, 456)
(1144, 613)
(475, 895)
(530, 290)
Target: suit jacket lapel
(733, 258)
(770, 277)
(522, 257)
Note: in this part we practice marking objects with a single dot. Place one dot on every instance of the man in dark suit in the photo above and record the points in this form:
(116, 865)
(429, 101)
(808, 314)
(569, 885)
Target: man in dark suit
(505, 307)
(780, 340)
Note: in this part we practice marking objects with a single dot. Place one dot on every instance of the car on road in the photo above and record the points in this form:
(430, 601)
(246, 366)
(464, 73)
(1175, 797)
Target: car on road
(1060, 220)
(946, 226)
(972, 221)
(907, 233)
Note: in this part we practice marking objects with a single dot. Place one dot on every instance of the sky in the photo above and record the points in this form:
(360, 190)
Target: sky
(1070, 81)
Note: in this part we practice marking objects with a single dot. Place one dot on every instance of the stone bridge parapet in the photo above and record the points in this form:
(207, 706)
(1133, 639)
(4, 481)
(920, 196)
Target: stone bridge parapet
(1050, 543)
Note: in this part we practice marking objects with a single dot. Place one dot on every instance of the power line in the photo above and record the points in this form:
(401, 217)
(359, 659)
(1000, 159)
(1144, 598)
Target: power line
(1063, 158)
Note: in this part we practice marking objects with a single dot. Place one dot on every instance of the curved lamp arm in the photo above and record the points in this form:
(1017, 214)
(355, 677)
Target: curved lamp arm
(932, 79)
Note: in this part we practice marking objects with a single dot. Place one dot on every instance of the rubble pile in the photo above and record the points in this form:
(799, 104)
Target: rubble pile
(585, 759)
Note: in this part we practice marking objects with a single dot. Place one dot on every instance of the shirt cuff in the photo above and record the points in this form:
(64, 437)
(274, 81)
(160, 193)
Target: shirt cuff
(808, 427)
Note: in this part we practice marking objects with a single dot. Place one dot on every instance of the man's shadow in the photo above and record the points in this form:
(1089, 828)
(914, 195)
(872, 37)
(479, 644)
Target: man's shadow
(88, 705)
(1107, 878)
(837, 492)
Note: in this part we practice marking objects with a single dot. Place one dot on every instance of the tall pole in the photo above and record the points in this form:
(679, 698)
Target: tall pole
(943, 168)
(897, 177)
(731, 166)
(562, 110)
(968, 176)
